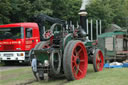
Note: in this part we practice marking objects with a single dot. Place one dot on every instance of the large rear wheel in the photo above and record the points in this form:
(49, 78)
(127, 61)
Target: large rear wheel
(75, 60)
(98, 60)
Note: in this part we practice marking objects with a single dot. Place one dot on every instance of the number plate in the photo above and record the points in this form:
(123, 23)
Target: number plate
(8, 55)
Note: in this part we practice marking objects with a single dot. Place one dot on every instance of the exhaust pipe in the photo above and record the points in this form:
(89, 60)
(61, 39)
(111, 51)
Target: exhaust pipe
(83, 14)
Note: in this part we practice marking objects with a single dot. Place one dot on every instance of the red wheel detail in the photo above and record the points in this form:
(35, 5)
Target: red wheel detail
(98, 60)
(75, 60)
(79, 61)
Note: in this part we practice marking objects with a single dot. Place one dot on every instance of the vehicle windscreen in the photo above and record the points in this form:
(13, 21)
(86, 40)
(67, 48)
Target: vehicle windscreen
(11, 33)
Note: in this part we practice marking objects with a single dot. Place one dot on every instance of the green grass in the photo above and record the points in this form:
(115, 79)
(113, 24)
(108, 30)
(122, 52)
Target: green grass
(106, 77)
(1, 64)
(13, 77)
(118, 76)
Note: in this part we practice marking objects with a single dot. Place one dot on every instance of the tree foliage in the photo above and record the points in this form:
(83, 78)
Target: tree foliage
(24, 10)
(109, 11)
(41, 6)
(5, 8)
(66, 9)
(21, 10)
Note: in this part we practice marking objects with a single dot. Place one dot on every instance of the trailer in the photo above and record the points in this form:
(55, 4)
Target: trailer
(114, 45)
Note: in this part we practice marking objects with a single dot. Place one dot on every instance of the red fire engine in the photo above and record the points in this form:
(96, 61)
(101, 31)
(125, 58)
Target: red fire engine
(16, 40)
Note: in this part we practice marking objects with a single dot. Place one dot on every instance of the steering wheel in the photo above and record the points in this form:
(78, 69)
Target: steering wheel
(50, 33)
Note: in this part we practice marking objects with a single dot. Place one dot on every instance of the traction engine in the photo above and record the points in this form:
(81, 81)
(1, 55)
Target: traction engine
(65, 51)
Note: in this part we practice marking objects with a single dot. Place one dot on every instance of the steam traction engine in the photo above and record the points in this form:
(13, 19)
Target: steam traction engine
(65, 51)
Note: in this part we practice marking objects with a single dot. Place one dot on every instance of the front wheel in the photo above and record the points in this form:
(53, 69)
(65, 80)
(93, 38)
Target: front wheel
(55, 62)
(98, 60)
(36, 69)
(75, 60)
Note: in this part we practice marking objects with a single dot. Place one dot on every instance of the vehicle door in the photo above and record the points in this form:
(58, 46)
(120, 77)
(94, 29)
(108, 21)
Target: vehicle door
(29, 40)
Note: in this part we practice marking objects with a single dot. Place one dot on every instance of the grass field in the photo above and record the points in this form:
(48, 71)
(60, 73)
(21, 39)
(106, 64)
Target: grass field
(17, 76)
(24, 76)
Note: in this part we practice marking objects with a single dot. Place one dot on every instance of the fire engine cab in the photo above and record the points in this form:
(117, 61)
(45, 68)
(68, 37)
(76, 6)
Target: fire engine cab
(16, 40)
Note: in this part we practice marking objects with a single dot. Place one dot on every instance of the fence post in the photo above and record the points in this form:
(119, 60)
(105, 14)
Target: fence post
(100, 27)
(91, 30)
(87, 26)
(97, 29)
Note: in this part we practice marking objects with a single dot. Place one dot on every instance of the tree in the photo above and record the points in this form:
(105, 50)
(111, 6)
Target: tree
(25, 10)
(120, 11)
(99, 10)
(109, 11)
(42, 6)
(66, 9)
(5, 8)
(21, 10)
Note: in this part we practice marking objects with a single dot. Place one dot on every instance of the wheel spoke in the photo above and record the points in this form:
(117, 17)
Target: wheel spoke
(98, 57)
(73, 55)
(98, 61)
(74, 67)
(73, 58)
(98, 66)
(79, 51)
(82, 60)
(80, 71)
(75, 52)
(77, 70)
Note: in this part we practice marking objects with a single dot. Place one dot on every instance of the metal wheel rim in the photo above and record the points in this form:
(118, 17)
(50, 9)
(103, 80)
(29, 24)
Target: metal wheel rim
(79, 61)
(57, 70)
(99, 61)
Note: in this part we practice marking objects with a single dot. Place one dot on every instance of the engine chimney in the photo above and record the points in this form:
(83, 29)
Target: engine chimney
(83, 14)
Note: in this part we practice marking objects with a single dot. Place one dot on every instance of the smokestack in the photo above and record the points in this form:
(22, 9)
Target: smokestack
(83, 14)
